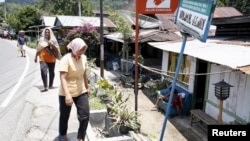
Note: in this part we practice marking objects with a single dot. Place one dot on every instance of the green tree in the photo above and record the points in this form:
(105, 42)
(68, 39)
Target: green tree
(114, 4)
(242, 5)
(45, 7)
(1, 15)
(13, 8)
(87, 8)
(58, 7)
(220, 4)
(65, 7)
(24, 18)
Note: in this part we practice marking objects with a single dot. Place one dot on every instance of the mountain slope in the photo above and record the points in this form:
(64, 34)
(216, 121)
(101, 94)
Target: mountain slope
(22, 2)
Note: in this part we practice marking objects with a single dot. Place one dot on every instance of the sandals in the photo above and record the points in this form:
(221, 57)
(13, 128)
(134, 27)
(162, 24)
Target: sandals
(154, 108)
(44, 90)
(63, 138)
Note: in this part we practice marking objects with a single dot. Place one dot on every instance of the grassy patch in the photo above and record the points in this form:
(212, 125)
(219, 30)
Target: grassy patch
(151, 136)
(95, 103)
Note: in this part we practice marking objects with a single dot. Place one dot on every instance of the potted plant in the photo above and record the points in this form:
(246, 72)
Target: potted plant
(104, 88)
(117, 102)
(126, 120)
(104, 84)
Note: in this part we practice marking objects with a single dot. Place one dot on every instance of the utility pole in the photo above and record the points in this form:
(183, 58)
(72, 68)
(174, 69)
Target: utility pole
(101, 40)
(5, 10)
(79, 7)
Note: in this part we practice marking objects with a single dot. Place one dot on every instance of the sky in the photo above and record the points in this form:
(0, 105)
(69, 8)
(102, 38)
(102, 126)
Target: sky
(1, 0)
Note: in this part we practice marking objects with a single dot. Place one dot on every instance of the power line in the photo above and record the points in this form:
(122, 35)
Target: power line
(166, 73)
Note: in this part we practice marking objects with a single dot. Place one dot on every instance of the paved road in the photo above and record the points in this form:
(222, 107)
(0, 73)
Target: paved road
(17, 77)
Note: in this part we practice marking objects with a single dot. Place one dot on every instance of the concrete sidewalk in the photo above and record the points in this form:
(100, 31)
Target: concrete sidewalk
(40, 117)
(39, 120)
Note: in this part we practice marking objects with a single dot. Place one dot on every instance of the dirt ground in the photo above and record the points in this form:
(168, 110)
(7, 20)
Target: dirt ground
(175, 129)
(152, 121)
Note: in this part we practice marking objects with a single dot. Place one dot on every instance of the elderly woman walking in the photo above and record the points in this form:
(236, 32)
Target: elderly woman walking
(22, 42)
(48, 51)
(74, 88)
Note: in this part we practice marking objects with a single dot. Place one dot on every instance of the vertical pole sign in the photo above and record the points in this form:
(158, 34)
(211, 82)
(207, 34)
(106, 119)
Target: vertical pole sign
(150, 7)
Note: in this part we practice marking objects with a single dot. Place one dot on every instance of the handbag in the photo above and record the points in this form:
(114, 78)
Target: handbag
(58, 55)
(55, 53)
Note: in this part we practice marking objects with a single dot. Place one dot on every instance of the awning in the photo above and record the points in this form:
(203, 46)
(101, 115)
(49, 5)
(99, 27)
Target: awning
(234, 56)
(115, 37)
(147, 36)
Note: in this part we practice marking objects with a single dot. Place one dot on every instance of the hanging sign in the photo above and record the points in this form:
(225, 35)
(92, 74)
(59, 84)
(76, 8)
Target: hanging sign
(157, 6)
(195, 16)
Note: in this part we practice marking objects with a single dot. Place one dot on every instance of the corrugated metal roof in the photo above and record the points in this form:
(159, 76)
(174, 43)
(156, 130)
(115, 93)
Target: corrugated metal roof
(144, 21)
(72, 21)
(147, 36)
(245, 69)
(48, 21)
(222, 12)
(130, 6)
(233, 56)
(167, 21)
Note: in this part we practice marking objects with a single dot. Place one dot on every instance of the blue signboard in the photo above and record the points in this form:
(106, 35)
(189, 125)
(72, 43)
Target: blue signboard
(194, 17)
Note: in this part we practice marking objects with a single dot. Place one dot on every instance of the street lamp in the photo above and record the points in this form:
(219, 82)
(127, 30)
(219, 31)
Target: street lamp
(222, 91)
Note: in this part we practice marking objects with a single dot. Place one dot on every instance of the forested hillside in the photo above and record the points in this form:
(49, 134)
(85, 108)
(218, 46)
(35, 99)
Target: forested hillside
(22, 2)
(114, 4)
(242, 5)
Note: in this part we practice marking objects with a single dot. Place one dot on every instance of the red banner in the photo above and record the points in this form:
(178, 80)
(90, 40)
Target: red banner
(157, 6)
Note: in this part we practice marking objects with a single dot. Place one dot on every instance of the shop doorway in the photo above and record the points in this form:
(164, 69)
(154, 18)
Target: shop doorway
(200, 84)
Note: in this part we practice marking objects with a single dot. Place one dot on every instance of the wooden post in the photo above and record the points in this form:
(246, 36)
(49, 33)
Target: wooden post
(220, 113)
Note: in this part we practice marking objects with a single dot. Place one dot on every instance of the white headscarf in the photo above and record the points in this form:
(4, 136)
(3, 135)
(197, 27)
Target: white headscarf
(75, 45)
(43, 42)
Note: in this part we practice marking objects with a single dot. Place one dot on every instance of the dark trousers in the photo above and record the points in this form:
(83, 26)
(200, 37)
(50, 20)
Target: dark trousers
(45, 67)
(82, 105)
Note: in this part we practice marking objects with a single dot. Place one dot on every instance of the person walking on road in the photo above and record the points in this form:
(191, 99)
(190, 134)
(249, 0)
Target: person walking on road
(47, 50)
(74, 88)
(22, 42)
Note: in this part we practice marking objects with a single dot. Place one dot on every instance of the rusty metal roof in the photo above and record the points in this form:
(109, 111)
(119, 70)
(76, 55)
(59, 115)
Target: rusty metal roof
(222, 12)
(144, 21)
(245, 69)
(130, 6)
(167, 21)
